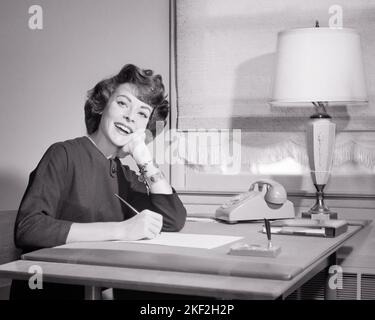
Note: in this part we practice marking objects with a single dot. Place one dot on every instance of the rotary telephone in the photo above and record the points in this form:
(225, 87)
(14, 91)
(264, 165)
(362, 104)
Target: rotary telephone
(265, 199)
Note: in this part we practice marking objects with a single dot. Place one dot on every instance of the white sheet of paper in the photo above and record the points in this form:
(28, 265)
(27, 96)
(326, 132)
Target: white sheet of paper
(190, 240)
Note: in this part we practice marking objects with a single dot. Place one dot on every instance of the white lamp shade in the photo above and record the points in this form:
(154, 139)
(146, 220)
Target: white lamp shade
(318, 64)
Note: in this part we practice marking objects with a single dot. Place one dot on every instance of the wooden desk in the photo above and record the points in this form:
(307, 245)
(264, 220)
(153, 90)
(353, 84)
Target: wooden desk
(312, 254)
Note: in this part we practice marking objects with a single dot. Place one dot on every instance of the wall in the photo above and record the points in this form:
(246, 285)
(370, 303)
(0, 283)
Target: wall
(45, 73)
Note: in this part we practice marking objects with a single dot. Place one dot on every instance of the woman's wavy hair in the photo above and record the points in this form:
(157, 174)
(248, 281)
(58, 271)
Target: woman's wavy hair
(149, 88)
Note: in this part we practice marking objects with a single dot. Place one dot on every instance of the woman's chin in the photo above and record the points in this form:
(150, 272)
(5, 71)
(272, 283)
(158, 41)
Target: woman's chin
(120, 142)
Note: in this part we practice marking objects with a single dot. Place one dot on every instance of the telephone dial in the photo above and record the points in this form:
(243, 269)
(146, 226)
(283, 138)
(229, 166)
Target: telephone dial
(265, 199)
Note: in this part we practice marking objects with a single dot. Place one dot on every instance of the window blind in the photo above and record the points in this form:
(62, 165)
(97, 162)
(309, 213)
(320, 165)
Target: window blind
(224, 62)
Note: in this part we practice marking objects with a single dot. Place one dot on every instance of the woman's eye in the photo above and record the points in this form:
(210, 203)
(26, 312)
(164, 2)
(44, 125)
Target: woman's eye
(121, 103)
(143, 115)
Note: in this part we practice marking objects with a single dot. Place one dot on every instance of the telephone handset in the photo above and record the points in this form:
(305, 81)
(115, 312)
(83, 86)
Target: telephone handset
(265, 198)
(275, 192)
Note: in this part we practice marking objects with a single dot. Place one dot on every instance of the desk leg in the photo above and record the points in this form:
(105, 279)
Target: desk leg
(93, 293)
(330, 293)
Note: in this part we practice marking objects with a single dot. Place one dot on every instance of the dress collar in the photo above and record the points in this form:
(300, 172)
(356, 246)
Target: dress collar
(96, 147)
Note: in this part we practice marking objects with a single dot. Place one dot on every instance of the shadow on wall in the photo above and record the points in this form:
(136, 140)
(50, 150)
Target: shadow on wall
(253, 85)
(12, 187)
(251, 96)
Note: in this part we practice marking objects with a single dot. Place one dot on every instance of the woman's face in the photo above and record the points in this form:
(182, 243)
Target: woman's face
(124, 115)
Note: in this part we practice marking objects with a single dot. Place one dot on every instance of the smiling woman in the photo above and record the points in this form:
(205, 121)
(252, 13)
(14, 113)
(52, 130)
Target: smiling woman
(131, 87)
(125, 116)
(70, 196)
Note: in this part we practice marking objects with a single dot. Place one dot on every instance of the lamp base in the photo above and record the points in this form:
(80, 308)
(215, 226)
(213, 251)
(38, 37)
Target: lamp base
(319, 211)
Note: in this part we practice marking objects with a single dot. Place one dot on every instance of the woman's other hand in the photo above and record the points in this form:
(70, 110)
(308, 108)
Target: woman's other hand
(136, 147)
(147, 224)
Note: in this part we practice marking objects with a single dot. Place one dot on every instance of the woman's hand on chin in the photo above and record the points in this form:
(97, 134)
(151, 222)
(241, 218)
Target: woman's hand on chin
(136, 147)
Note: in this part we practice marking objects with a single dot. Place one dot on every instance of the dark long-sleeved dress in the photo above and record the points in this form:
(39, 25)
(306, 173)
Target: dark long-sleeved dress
(75, 182)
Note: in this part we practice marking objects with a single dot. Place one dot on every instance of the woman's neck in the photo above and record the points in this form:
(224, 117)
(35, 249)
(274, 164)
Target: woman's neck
(104, 146)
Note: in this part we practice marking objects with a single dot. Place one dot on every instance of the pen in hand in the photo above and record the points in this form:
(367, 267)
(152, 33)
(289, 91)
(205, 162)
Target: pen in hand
(268, 230)
(128, 204)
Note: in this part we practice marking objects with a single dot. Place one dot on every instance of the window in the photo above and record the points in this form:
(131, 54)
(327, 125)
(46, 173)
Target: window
(223, 73)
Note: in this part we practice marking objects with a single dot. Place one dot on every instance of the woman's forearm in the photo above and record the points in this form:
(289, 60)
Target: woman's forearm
(95, 231)
(145, 225)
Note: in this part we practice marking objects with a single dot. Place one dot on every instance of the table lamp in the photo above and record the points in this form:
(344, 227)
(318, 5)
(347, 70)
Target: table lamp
(319, 67)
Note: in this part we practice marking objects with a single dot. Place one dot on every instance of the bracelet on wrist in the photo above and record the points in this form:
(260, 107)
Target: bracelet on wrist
(143, 167)
(150, 179)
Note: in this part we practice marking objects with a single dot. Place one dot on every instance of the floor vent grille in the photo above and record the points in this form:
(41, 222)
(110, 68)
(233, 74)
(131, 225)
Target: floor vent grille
(354, 286)
(349, 287)
(367, 287)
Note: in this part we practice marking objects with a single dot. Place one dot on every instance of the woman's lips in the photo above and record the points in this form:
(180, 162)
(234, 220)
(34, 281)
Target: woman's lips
(123, 129)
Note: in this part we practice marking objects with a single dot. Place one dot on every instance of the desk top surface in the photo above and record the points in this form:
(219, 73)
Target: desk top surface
(300, 256)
